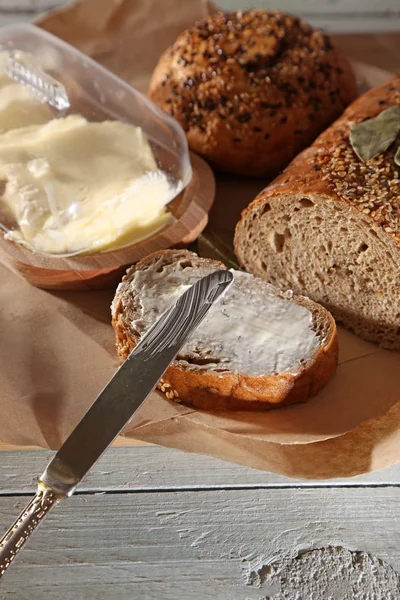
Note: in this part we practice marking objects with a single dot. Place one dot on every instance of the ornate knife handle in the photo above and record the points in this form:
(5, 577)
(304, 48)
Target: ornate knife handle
(12, 542)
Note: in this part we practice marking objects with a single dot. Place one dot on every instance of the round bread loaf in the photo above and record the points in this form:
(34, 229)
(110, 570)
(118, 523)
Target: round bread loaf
(252, 88)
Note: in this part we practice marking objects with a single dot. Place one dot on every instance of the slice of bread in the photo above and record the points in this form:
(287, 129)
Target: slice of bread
(256, 349)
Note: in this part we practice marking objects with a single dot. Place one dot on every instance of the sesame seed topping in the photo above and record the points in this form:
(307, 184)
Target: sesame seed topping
(248, 67)
(373, 188)
(168, 391)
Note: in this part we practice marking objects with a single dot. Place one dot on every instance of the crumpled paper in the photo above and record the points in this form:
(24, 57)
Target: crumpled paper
(126, 36)
(57, 349)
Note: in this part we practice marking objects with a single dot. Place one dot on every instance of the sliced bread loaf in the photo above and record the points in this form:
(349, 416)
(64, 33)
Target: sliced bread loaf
(329, 227)
(258, 348)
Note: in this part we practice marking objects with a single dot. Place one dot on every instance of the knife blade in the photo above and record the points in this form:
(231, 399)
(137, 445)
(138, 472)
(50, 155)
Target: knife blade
(115, 406)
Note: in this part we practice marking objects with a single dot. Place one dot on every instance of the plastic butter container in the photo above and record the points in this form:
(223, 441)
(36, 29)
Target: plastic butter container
(87, 163)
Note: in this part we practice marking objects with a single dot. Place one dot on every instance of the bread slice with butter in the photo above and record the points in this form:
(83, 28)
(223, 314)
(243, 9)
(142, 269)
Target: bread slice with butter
(258, 347)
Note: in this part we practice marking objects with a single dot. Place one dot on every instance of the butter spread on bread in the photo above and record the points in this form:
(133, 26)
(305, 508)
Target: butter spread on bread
(257, 348)
(329, 226)
(240, 333)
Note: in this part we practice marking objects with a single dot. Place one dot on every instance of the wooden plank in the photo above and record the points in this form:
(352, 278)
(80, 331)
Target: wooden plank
(20, 11)
(120, 441)
(11, 18)
(312, 7)
(351, 25)
(208, 545)
(155, 468)
(338, 16)
(15, 6)
(315, 7)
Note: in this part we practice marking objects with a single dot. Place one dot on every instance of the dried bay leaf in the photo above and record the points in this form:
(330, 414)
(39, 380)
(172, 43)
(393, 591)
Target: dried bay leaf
(373, 136)
(397, 157)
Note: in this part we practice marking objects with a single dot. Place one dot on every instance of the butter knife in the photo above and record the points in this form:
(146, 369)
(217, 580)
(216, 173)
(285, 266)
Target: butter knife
(114, 407)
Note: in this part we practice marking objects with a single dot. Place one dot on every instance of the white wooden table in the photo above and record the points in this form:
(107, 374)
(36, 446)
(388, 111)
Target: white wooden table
(334, 15)
(154, 523)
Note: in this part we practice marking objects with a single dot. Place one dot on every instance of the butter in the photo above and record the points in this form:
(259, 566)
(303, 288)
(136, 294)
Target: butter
(76, 186)
(19, 107)
(250, 331)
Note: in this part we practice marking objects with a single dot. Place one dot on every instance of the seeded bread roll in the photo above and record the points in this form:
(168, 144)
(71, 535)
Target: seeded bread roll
(329, 227)
(252, 89)
(256, 349)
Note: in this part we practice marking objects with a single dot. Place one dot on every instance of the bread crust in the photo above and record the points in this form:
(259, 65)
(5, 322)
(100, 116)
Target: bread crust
(227, 391)
(307, 173)
(253, 88)
(330, 172)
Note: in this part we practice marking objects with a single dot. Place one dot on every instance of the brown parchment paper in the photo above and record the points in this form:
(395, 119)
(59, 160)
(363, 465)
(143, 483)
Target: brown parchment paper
(57, 349)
